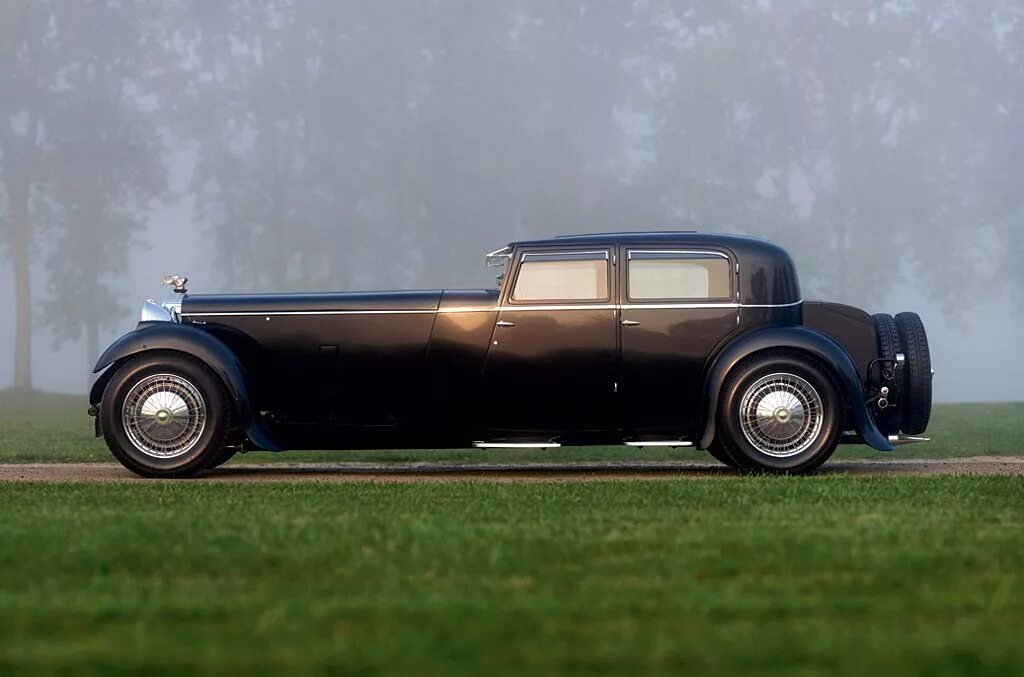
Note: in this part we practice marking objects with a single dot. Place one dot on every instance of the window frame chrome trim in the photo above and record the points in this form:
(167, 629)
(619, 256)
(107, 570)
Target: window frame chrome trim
(605, 253)
(598, 252)
(711, 302)
(699, 252)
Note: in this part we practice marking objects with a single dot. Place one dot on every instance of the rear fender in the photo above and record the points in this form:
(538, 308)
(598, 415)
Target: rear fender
(805, 340)
(199, 344)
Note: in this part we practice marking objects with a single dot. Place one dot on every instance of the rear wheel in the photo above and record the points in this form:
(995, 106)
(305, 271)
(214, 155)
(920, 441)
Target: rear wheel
(917, 382)
(165, 415)
(222, 457)
(780, 412)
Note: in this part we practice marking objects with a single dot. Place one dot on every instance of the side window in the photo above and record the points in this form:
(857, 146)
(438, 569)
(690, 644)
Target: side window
(562, 276)
(672, 275)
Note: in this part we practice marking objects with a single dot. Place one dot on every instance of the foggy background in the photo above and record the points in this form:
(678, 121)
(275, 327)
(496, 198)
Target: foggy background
(358, 145)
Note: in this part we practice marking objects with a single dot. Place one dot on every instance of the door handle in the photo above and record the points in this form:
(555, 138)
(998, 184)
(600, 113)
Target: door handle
(630, 323)
(504, 323)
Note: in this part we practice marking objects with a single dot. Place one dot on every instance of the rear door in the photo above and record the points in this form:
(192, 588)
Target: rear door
(677, 306)
(551, 365)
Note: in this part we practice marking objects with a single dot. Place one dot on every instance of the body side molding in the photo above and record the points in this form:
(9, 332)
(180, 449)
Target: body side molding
(183, 338)
(798, 338)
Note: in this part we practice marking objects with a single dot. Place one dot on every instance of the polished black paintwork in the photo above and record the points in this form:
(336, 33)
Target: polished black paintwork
(446, 368)
(553, 371)
(198, 304)
(850, 327)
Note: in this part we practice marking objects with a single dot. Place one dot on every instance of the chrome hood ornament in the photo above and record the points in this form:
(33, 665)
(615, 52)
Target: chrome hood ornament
(178, 282)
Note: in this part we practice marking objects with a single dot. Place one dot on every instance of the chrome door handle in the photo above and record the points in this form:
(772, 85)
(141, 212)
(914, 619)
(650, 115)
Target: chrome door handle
(630, 323)
(503, 323)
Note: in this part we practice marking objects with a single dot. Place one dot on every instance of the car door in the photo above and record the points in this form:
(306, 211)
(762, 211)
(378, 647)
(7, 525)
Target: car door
(553, 356)
(677, 306)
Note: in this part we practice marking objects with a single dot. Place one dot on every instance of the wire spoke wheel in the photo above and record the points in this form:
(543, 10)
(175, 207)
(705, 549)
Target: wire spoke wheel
(781, 415)
(164, 415)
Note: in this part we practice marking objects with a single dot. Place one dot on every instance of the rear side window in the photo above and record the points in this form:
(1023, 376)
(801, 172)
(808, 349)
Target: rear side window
(668, 275)
(562, 276)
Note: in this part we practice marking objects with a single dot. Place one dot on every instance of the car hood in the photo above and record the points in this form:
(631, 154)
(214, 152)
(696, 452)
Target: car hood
(214, 304)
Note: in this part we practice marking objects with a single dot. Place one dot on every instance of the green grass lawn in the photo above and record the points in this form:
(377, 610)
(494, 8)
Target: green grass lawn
(821, 575)
(49, 427)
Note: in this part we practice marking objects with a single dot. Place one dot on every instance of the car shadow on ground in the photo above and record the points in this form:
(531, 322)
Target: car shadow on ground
(468, 471)
(520, 472)
(254, 473)
(582, 471)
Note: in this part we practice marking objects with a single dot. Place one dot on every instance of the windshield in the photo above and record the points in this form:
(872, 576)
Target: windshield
(499, 259)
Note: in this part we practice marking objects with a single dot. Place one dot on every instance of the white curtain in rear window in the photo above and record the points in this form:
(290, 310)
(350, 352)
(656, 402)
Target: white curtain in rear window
(669, 279)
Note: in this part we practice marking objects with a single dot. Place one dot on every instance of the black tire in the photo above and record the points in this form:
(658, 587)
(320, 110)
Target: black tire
(206, 425)
(722, 456)
(222, 457)
(917, 381)
(805, 380)
(889, 343)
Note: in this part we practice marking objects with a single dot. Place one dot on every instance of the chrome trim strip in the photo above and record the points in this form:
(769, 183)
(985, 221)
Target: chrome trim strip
(488, 309)
(771, 305)
(492, 309)
(516, 445)
(580, 306)
(658, 443)
(674, 306)
(257, 313)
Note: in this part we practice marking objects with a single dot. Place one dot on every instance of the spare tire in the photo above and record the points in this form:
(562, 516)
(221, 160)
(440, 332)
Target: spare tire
(917, 381)
(889, 344)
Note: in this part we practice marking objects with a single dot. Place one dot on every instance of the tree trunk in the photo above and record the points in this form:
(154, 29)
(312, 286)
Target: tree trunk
(20, 241)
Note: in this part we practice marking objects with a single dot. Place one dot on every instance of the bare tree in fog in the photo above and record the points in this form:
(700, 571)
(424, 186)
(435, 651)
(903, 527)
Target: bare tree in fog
(860, 138)
(106, 170)
(344, 145)
(25, 109)
(83, 160)
(340, 133)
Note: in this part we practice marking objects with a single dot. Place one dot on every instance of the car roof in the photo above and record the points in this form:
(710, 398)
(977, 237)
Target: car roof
(671, 237)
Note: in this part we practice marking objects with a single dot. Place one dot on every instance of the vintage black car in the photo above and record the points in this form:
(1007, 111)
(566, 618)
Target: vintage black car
(641, 339)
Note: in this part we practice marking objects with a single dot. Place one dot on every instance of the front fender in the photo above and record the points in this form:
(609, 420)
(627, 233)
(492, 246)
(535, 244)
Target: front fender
(798, 338)
(203, 346)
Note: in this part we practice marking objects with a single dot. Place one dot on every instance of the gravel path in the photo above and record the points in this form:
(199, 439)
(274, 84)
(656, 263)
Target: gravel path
(520, 472)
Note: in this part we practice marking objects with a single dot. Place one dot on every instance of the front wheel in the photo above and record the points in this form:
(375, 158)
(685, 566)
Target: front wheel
(780, 412)
(165, 414)
(719, 453)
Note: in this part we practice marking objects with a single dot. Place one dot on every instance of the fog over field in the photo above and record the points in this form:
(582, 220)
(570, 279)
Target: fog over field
(330, 145)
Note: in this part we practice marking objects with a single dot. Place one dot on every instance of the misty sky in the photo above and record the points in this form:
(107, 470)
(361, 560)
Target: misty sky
(292, 145)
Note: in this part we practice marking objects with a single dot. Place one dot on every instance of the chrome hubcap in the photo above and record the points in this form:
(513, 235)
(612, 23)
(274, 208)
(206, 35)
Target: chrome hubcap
(164, 415)
(781, 414)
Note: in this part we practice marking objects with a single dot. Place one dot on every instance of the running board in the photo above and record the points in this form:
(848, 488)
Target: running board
(516, 445)
(658, 443)
(897, 440)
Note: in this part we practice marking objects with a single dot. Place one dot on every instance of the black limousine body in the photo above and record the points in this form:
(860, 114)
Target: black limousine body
(641, 339)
